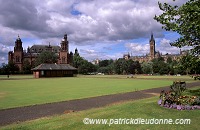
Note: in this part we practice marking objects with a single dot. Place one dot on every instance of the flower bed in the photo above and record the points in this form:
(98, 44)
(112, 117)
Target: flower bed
(175, 99)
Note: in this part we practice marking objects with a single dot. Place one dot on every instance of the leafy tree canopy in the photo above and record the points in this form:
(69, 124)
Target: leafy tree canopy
(183, 20)
(9, 68)
(84, 67)
(46, 57)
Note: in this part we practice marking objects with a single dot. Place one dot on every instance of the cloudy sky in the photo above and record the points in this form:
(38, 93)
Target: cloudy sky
(102, 29)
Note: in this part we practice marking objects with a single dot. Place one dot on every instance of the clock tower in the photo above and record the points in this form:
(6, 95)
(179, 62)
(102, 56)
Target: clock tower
(152, 46)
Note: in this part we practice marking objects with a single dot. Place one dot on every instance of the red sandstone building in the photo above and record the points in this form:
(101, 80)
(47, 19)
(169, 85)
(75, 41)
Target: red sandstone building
(18, 56)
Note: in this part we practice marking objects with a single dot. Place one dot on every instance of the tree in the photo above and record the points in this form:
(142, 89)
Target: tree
(119, 66)
(172, 67)
(123, 66)
(26, 67)
(190, 63)
(164, 68)
(103, 70)
(138, 68)
(106, 66)
(147, 67)
(103, 63)
(131, 67)
(83, 66)
(183, 20)
(10, 68)
(159, 66)
(77, 60)
(110, 68)
(155, 66)
(169, 60)
(46, 57)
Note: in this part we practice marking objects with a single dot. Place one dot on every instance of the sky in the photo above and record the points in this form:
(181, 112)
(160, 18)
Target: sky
(99, 29)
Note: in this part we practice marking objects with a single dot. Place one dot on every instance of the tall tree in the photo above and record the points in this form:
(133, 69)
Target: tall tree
(103, 63)
(10, 68)
(138, 68)
(183, 20)
(118, 66)
(26, 67)
(83, 66)
(190, 63)
(46, 57)
(123, 66)
(159, 66)
(77, 60)
(147, 67)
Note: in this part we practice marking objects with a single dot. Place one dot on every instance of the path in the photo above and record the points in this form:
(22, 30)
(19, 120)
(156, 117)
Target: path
(20, 114)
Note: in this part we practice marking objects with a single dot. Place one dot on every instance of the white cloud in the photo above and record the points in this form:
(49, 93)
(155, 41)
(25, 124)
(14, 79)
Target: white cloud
(137, 48)
(4, 48)
(3, 60)
(165, 47)
(94, 21)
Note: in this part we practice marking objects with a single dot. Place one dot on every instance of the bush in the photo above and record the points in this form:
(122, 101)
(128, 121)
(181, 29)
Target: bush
(174, 98)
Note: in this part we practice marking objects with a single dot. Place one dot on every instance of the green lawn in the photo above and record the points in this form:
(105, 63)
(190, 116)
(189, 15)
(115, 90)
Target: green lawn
(24, 92)
(20, 76)
(157, 77)
(145, 109)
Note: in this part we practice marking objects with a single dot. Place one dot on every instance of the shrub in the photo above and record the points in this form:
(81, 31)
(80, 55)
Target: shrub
(174, 98)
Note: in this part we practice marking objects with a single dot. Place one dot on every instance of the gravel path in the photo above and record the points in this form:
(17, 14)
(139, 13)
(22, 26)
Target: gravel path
(8, 116)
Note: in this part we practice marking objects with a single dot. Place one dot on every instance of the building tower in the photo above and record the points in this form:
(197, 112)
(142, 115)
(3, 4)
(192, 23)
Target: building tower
(18, 53)
(152, 46)
(76, 52)
(63, 55)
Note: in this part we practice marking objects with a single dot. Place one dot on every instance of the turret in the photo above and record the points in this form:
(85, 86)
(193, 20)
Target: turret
(76, 52)
(64, 43)
(18, 44)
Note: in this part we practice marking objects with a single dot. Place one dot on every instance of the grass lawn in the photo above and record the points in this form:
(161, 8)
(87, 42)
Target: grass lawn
(24, 92)
(20, 76)
(145, 109)
(158, 77)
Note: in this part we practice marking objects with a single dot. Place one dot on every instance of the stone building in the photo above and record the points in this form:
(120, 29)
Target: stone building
(18, 56)
(153, 54)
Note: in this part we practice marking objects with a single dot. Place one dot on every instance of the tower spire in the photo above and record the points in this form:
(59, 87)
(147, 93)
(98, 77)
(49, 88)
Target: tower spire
(18, 37)
(152, 38)
(65, 36)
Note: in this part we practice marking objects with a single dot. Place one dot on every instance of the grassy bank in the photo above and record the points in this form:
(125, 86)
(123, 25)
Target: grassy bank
(145, 109)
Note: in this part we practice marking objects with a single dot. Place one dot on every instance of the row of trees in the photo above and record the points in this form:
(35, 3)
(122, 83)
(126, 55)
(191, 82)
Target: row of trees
(120, 66)
(188, 64)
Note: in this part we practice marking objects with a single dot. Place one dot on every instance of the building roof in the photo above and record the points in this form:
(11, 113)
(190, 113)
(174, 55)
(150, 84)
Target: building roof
(41, 48)
(54, 67)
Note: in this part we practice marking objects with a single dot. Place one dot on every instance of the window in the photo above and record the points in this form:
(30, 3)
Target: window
(63, 59)
(42, 73)
(17, 59)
